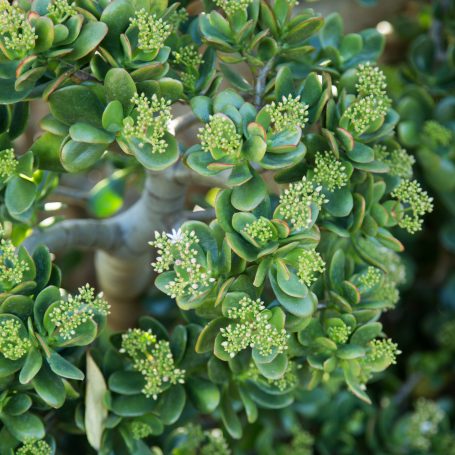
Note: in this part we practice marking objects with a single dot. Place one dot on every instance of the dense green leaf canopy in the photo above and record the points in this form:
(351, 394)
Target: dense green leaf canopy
(274, 301)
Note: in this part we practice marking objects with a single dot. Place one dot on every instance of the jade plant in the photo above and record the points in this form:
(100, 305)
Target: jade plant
(277, 193)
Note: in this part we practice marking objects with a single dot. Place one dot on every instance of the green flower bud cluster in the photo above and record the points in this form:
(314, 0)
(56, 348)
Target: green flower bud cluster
(372, 102)
(70, 314)
(400, 162)
(16, 33)
(289, 113)
(153, 32)
(189, 59)
(171, 248)
(178, 249)
(446, 335)
(371, 81)
(216, 444)
(437, 133)
(416, 203)
(382, 349)
(60, 10)
(371, 277)
(381, 353)
(8, 163)
(296, 201)
(260, 230)
(365, 111)
(195, 437)
(380, 152)
(252, 329)
(12, 345)
(151, 121)
(178, 17)
(329, 172)
(153, 359)
(424, 424)
(339, 333)
(12, 268)
(289, 379)
(140, 430)
(388, 292)
(219, 136)
(200, 442)
(233, 6)
(34, 447)
(310, 263)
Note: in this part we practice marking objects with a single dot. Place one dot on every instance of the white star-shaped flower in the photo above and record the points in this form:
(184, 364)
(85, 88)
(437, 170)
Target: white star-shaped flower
(175, 236)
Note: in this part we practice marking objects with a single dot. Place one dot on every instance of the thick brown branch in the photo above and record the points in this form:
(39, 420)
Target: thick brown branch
(68, 234)
(126, 234)
(182, 123)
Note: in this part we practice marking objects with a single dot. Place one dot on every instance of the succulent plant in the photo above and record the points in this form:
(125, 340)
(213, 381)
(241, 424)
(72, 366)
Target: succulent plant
(272, 275)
